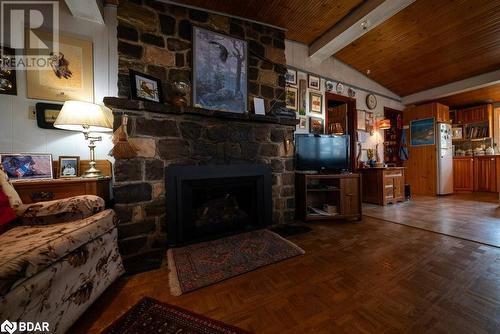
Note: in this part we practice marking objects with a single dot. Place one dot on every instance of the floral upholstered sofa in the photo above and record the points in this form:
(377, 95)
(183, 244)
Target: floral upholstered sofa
(57, 260)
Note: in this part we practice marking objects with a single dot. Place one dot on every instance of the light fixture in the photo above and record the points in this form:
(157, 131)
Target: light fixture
(336, 129)
(384, 124)
(86, 117)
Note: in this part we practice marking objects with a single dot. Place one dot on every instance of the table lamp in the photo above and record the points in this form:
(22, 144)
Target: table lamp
(86, 117)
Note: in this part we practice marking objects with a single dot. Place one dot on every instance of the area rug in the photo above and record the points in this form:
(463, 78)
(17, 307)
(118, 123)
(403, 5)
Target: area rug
(152, 316)
(199, 265)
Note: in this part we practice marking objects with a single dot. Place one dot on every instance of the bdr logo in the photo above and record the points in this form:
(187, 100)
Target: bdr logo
(11, 327)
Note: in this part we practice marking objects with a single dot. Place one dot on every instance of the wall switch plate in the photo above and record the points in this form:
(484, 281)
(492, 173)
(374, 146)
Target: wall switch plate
(32, 113)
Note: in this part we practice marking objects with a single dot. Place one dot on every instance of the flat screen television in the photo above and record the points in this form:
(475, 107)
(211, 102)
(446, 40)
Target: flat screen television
(322, 152)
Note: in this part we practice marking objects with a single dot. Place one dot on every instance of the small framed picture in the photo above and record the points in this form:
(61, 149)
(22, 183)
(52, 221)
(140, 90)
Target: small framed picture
(291, 77)
(145, 87)
(291, 98)
(8, 82)
(69, 167)
(315, 103)
(316, 125)
(302, 123)
(26, 166)
(361, 120)
(46, 114)
(457, 132)
(313, 82)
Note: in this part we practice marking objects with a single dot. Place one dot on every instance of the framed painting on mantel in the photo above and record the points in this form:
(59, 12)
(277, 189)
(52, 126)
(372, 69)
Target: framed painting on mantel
(67, 75)
(219, 71)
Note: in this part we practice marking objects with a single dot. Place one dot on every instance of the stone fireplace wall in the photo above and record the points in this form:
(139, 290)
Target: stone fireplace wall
(155, 38)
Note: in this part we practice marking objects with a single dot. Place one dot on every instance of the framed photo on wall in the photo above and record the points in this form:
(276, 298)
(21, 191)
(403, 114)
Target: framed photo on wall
(291, 99)
(422, 132)
(313, 81)
(8, 80)
(67, 75)
(145, 87)
(316, 125)
(291, 77)
(315, 103)
(46, 114)
(302, 123)
(69, 167)
(219, 71)
(26, 166)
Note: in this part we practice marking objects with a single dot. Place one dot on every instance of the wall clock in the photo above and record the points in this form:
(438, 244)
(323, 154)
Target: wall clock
(371, 101)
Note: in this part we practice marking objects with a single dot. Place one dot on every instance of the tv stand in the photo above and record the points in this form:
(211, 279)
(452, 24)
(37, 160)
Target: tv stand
(324, 197)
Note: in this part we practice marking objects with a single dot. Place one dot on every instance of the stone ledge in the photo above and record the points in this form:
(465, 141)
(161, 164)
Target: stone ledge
(127, 104)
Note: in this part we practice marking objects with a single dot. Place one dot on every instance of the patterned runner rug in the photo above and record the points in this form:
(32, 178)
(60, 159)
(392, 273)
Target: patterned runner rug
(199, 265)
(151, 316)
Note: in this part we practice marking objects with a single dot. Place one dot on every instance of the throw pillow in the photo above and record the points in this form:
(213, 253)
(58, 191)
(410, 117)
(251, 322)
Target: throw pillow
(7, 214)
(8, 189)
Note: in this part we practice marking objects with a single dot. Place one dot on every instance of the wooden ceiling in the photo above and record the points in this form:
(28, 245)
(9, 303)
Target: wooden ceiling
(428, 44)
(489, 94)
(304, 20)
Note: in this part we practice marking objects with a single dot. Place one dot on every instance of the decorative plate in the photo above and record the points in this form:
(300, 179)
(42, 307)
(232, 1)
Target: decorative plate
(351, 92)
(371, 101)
(329, 85)
(340, 88)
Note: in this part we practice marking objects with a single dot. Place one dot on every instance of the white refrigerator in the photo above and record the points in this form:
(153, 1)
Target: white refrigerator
(444, 159)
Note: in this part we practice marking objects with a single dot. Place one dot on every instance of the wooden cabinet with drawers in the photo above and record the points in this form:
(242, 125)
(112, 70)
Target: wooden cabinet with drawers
(32, 191)
(383, 186)
(479, 173)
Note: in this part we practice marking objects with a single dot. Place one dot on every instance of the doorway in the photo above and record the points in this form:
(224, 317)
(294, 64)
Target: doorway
(341, 118)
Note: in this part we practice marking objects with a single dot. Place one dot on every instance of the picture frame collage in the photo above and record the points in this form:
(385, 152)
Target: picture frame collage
(305, 97)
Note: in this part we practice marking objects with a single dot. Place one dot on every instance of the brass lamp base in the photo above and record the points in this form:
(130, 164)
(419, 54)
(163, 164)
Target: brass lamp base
(92, 171)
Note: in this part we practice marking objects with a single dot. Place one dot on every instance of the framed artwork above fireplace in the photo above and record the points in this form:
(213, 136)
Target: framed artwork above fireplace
(219, 71)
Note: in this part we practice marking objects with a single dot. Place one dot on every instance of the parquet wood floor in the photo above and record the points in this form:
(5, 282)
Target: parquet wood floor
(357, 277)
(471, 216)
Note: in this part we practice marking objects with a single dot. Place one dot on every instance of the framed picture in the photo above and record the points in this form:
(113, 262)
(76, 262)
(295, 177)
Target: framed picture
(316, 125)
(457, 132)
(70, 76)
(291, 77)
(145, 87)
(25, 166)
(302, 123)
(422, 132)
(291, 97)
(361, 120)
(219, 71)
(368, 121)
(315, 103)
(313, 81)
(302, 97)
(46, 114)
(8, 82)
(69, 167)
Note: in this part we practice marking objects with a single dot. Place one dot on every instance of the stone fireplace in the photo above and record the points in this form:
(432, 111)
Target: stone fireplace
(156, 38)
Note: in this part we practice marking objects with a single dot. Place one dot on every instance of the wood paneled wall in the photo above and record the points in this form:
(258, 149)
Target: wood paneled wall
(421, 167)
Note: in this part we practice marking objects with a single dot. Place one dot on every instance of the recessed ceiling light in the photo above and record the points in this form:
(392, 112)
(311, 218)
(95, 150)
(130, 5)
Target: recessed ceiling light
(364, 24)
(368, 72)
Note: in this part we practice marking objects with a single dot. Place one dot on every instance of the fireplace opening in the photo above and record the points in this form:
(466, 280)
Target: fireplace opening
(207, 202)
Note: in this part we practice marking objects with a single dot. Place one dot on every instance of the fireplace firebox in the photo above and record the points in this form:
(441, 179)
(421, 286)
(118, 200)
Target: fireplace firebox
(208, 202)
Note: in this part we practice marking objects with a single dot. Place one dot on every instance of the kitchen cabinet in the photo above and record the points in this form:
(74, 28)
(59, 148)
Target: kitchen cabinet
(485, 174)
(473, 114)
(463, 174)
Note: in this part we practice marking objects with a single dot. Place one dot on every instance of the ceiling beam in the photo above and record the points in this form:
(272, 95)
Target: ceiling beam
(90, 10)
(363, 19)
(457, 87)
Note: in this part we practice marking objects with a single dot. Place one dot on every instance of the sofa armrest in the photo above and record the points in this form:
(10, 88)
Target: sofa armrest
(60, 211)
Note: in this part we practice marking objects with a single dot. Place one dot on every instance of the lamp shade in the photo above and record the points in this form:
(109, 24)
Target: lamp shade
(384, 124)
(80, 116)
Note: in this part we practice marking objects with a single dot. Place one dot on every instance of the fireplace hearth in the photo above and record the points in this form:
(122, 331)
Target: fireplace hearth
(207, 202)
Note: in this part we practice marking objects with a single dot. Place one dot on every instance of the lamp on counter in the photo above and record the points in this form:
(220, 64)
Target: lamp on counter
(86, 117)
(336, 129)
(384, 124)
